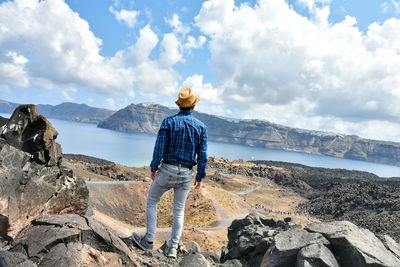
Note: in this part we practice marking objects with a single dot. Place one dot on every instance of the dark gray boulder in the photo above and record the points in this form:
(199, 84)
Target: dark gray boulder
(72, 240)
(14, 259)
(32, 133)
(232, 263)
(355, 246)
(211, 256)
(191, 247)
(28, 189)
(250, 237)
(288, 243)
(316, 255)
(194, 260)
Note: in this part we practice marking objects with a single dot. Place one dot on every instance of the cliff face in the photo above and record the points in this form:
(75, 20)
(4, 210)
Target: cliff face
(65, 111)
(148, 117)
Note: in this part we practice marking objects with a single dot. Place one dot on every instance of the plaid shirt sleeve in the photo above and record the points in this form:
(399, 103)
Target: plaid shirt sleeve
(202, 156)
(159, 148)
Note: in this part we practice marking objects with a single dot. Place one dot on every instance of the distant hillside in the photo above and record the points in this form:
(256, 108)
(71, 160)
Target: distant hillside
(65, 111)
(148, 117)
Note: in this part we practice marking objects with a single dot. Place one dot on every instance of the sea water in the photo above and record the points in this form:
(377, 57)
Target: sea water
(136, 149)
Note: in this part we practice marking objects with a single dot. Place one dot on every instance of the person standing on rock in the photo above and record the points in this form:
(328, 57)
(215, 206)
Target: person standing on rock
(181, 143)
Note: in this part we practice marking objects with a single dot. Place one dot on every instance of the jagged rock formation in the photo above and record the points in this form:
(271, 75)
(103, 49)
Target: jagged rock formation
(42, 202)
(334, 194)
(148, 117)
(65, 111)
(258, 241)
(31, 180)
(371, 205)
(71, 240)
(249, 238)
(33, 133)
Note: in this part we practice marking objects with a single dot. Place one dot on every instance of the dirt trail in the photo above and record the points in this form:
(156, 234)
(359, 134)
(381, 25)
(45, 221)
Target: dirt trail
(224, 217)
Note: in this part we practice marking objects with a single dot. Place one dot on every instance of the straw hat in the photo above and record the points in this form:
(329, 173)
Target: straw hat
(186, 98)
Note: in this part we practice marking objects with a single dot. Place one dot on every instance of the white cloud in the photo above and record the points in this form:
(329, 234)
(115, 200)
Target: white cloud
(177, 25)
(302, 70)
(171, 53)
(154, 77)
(111, 102)
(311, 4)
(128, 17)
(48, 41)
(192, 42)
(47, 45)
(206, 91)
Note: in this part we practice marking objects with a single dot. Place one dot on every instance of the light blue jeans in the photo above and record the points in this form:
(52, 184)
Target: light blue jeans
(168, 176)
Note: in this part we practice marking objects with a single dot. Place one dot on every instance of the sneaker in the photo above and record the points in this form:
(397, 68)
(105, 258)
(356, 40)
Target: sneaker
(141, 242)
(171, 253)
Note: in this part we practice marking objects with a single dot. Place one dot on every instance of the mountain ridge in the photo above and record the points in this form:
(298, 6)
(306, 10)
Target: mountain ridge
(260, 133)
(147, 118)
(64, 111)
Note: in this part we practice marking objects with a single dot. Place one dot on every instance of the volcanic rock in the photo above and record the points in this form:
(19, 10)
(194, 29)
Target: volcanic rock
(194, 260)
(249, 238)
(28, 189)
(355, 246)
(32, 133)
(15, 259)
(287, 245)
(316, 255)
(72, 240)
(32, 182)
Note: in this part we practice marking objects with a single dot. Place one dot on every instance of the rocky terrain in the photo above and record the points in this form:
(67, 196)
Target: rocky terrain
(332, 194)
(42, 203)
(65, 111)
(45, 217)
(148, 117)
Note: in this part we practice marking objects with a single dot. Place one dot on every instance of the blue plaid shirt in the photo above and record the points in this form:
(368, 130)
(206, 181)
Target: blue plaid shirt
(180, 139)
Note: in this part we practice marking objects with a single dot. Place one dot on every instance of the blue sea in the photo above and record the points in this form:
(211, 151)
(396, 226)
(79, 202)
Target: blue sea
(135, 149)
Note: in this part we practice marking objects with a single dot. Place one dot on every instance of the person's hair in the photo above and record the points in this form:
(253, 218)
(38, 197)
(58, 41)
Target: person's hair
(185, 108)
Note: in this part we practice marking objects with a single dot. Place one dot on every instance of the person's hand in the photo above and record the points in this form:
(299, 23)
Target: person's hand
(153, 175)
(197, 184)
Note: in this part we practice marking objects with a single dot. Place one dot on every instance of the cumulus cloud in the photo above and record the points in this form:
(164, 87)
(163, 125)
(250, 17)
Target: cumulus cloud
(211, 99)
(47, 41)
(311, 4)
(171, 53)
(177, 25)
(192, 42)
(270, 57)
(206, 90)
(128, 17)
(57, 50)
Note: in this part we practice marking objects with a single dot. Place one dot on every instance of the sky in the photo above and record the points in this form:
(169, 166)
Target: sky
(331, 65)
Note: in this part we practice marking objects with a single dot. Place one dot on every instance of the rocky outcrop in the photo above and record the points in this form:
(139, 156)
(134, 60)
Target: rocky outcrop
(354, 246)
(334, 194)
(31, 180)
(70, 240)
(367, 204)
(148, 117)
(249, 238)
(258, 241)
(30, 132)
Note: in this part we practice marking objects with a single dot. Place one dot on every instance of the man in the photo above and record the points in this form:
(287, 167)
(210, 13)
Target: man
(181, 143)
